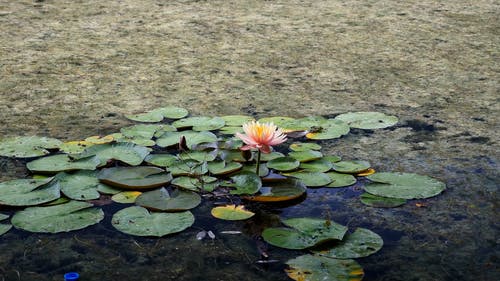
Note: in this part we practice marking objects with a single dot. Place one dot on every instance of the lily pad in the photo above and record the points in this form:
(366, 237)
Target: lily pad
(200, 123)
(223, 167)
(351, 167)
(404, 185)
(4, 228)
(192, 138)
(106, 189)
(330, 129)
(236, 120)
(143, 177)
(265, 157)
(279, 121)
(199, 156)
(306, 156)
(161, 200)
(81, 185)
(26, 147)
(231, 212)
(230, 130)
(245, 183)
(361, 243)
(28, 192)
(62, 163)
(99, 139)
(188, 168)
(145, 131)
(320, 165)
(368, 120)
(303, 124)
(304, 233)
(205, 183)
(126, 197)
(279, 191)
(283, 164)
(151, 116)
(128, 153)
(318, 268)
(381, 202)
(312, 179)
(139, 221)
(60, 218)
(340, 180)
(304, 146)
(74, 147)
(173, 112)
(160, 160)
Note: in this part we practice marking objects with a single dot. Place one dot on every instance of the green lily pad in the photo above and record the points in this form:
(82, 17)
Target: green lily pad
(157, 115)
(139, 221)
(199, 156)
(74, 147)
(173, 112)
(306, 156)
(278, 191)
(245, 183)
(332, 158)
(160, 160)
(279, 121)
(4, 228)
(251, 168)
(161, 200)
(361, 243)
(3, 217)
(205, 183)
(200, 123)
(28, 192)
(230, 130)
(106, 189)
(312, 179)
(368, 120)
(236, 120)
(283, 164)
(320, 165)
(81, 185)
(26, 147)
(60, 218)
(188, 168)
(265, 157)
(232, 155)
(223, 167)
(62, 163)
(304, 146)
(142, 131)
(126, 152)
(150, 117)
(318, 268)
(126, 197)
(330, 129)
(231, 212)
(142, 177)
(340, 180)
(381, 202)
(303, 124)
(351, 167)
(404, 185)
(304, 233)
(192, 138)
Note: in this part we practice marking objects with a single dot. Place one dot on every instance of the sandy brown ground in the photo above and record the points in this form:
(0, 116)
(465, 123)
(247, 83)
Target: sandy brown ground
(71, 69)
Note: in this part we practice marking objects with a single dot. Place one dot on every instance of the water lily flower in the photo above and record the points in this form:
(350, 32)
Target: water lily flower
(261, 136)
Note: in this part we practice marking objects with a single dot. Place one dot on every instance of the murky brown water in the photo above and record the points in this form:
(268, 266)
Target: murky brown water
(71, 69)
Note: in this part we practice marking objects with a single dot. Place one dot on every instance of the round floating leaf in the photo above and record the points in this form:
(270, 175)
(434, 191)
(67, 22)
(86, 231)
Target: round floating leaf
(366, 173)
(223, 167)
(74, 147)
(312, 179)
(205, 183)
(151, 117)
(61, 163)
(161, 160)
(236, 120)
(351, 167)
(251, 167)
(126, 197)
(106, 189)
(161, 200)
(231, 212)
(25, 147)
(60, 218)
(4, 228)
(306, 156)
(188, 168)
(142, 177)
(341, 180)
(59, 201)
(330, 129)
(361, 243)
(192, 138)
(304, 146)
(230, 130)
(126, 152)
(200, 123)
(232, 155)
(81, 185)
(28, 192)
(145, 131)
(283, 164)
(303, 124)
(305, 233)
(245, 183)
(172, 112)
(199, 156)
(3, 217)
(318, 268)
(278, 191)
(320, 165)
(404, 185)
(137, 141)
(140, 222)
(332, 158)
(368, 120)
(381, 202)
(279, 121)
(264, 157)
(99, 139)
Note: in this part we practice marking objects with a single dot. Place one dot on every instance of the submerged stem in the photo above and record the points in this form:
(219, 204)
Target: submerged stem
(258, 162)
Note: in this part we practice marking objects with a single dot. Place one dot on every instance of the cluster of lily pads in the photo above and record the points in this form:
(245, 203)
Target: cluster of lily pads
(163, 164)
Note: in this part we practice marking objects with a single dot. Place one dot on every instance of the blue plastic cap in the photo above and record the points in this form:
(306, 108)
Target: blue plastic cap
(71, 276)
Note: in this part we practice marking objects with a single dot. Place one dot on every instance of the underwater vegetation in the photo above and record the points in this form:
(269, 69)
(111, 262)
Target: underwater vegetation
(169, 162)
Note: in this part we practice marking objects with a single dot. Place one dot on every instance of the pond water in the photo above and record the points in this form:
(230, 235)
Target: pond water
(72, 69)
